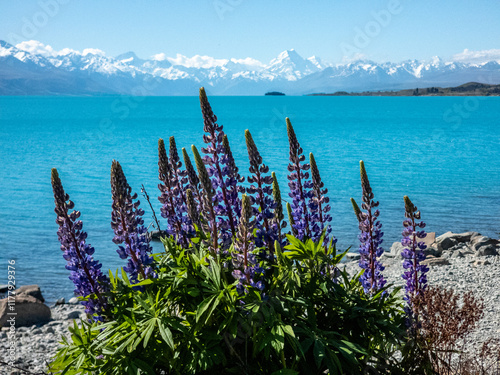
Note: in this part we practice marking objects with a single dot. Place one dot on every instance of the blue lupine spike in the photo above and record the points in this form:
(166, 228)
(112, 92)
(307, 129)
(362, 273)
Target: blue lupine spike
(86, 272)
(300, 186)
(370, 238)
(261, 195)
(318, 204)
(413, 254)
(128, 225)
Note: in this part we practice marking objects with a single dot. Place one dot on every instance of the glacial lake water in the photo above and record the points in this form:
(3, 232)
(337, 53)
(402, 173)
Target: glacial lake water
(444, 152)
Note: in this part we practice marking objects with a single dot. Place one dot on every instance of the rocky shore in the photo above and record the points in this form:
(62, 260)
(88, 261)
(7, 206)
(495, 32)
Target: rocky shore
(463, 262)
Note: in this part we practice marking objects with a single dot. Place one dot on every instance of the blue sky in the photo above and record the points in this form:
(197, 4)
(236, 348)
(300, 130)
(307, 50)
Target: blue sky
(392, 30)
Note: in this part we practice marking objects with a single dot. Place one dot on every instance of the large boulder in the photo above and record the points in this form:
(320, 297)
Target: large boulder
(448, 240)
(27, 308)
(483, 245)
(31, 290)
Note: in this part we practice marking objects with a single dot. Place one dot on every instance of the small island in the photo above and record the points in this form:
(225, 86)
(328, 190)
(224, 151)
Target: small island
(274, 93)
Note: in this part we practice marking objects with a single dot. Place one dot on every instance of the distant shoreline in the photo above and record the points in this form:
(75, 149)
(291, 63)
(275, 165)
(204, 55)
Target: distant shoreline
(467, 89)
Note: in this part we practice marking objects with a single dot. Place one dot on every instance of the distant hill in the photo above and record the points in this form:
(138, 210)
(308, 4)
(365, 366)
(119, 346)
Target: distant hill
(467, 89)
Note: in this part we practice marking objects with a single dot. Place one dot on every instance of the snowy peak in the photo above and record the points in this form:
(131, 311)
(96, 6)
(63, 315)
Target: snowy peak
(180, 75)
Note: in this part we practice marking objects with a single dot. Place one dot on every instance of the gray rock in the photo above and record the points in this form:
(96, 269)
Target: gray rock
(436, 262)
(4, 288)
(73, 301)
(60, 301)
(449, 239)
(36, 331)
(483, 245)
(487, 250)
(73, 315)
(396, 248)
(29, 311)
(31, 290)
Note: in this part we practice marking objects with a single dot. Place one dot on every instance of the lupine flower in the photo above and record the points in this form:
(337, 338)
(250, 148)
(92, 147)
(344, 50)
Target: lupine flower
(167, 197)
(318, 204)
(178, 181)
(210, 200)
(128, 225)
(300, 185)
(413, 254)
(192, 208)
(290, 219)
(246, 268)
(356, 209)
(260, 195)
(194, 181)
(86, 272)
(370, 238)
(215, 160)
(278, 222)
(234, 179)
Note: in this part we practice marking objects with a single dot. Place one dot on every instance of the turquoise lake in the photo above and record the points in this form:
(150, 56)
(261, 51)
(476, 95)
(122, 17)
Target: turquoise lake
(444, 152)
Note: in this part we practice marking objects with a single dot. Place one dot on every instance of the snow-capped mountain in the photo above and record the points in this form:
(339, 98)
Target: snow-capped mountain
(32, 68)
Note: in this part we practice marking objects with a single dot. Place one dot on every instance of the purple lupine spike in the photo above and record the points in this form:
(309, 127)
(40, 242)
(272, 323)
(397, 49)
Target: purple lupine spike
(370, 238)
(192, 208)
(413, 254)
(291, 220)
(127, 223)
(318, 204)
(246, 268)
(178, 182)
(278, 222)
(210, 201)
(86, 272)
(215, 160)
(169, 209)
(261, 195)
(234, 179)
(194, 181)
(300, 185)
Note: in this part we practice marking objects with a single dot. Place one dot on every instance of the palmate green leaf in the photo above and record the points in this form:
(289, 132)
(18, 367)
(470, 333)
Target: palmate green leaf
(148, 331)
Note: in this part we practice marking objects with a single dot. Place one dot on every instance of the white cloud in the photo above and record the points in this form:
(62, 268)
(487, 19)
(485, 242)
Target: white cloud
(93, 51)
(159, 57)
(249, 63)
(469, 56)
(37, 48)
(196, 61)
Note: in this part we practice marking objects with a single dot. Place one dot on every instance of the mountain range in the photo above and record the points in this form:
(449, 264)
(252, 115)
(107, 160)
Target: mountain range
(32, 68)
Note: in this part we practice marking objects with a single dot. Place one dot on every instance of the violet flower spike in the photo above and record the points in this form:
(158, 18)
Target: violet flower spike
(86, 272)
(234, 179)
(290, 219)
(370, 238)
(128, 225)
(413, 254)
(318, 204)
(261, 195)
(194, 181)
(246, 268)
(210, 200)
(168, 196)
(215, 160)
(299, 184)
(278, 217)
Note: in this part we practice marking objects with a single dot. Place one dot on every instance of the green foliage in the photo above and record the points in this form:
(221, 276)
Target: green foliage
(311, 318)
